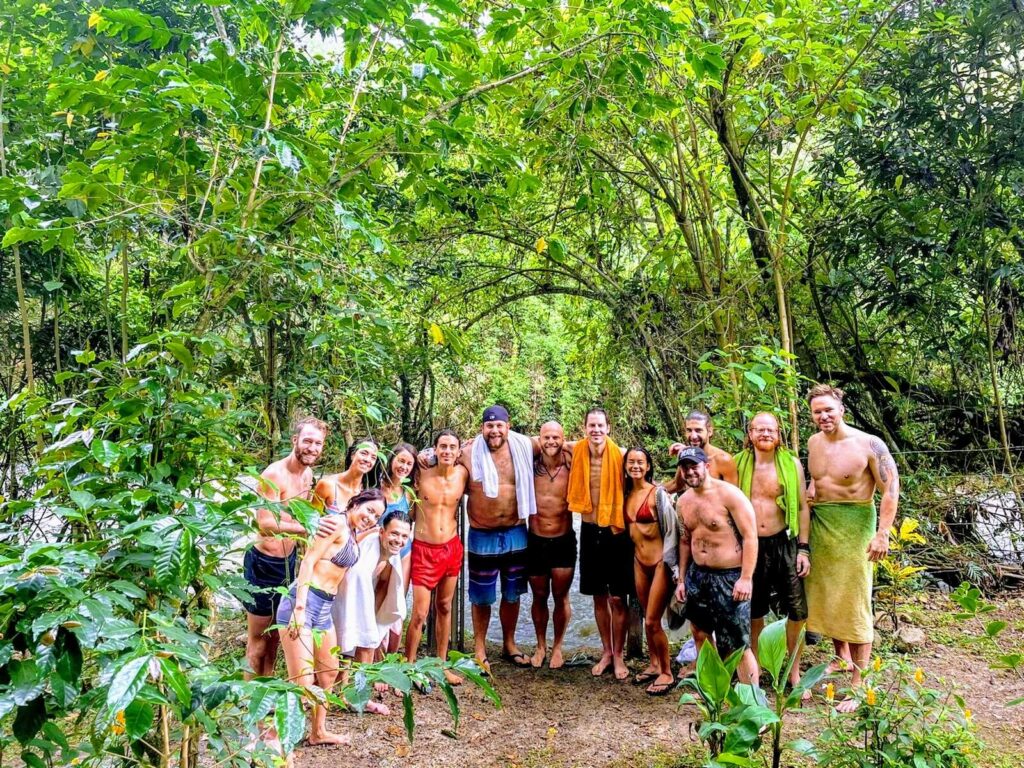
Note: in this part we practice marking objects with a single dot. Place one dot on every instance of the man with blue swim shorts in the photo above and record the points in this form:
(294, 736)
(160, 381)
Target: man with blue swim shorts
(499, 463)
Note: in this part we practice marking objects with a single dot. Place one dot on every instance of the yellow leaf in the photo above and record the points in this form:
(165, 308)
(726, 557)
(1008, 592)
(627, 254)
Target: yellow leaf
(94, 19)
(541, 245)
(436, 334)
(87, 46)
(908, 526)
(69, 118)
(755, 59)
(5, 68)
(101, 75)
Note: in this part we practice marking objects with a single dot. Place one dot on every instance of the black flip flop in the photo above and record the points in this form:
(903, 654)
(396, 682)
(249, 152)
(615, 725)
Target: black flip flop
(512, 658)
(645, 677)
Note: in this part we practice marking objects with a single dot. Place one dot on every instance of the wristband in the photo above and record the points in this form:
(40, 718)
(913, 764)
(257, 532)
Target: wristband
(804, 548)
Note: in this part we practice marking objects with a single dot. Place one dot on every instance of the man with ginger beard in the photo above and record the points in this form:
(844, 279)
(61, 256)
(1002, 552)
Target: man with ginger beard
(270, 562)
(773, 479)
(551, 548)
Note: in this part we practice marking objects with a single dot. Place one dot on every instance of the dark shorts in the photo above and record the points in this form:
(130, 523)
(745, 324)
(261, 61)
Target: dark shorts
(711, 609)
(545, 553)
(266, 573)
(776, 585)
(495, 552)
(317, 612)
(606, 561)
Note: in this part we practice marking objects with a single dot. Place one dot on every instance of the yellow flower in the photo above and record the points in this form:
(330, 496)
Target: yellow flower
(918, 675)
(830, 692)
(877, 664)
(541, 245)
(967, 716)
(117, 727)
(869, 696)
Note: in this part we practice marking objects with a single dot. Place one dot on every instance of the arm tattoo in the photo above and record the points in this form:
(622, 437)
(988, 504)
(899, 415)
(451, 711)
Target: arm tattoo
(887, 471)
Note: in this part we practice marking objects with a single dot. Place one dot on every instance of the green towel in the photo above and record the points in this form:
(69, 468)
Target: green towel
(839, 585)
(789, 482)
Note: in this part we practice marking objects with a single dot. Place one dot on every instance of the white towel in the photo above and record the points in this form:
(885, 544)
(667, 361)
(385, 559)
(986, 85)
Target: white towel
(356, 619)
(484, 471)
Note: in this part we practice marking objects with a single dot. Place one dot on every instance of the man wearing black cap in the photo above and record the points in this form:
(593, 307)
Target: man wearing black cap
(501, 500)
(717, 556)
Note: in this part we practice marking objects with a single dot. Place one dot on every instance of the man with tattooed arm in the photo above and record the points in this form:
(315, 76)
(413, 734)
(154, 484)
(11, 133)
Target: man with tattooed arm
(847, 467)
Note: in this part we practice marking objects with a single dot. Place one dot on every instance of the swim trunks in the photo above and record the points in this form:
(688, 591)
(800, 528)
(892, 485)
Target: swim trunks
(711, 608)
(776, 585)
(266, 573)
(433, 562)
(606, 561)
(546, 553)
(495, 552)
(318, 609)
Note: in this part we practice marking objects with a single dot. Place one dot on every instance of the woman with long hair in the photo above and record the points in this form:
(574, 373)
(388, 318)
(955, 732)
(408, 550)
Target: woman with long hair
(308, 634)
(359, 473)
(398, 480)
(650, 521)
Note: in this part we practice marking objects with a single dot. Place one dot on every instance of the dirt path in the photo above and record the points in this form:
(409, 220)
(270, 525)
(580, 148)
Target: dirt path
(568, 718)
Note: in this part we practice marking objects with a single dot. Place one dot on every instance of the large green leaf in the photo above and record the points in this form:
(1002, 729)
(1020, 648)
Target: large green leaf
(27, 681)
(712, 676)
(290, 720)
(771, 649)
(126, 684)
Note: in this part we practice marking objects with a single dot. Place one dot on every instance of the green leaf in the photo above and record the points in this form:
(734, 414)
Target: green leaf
(453, 703)
(993, 628)
(176, 682)
(69, 657)
(712, 677)
(126, 685)
(181, 354)
(105, 452)
(138, 719)
(408, 715)
(771, 650)
(83, 500)
(27, 681)
(29, 720)
(32, 760)
(756, 380)
(53, 732)
(168, 562)
(290, 720)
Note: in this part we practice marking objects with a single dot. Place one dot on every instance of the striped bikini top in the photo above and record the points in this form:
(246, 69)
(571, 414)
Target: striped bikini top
(348, 555)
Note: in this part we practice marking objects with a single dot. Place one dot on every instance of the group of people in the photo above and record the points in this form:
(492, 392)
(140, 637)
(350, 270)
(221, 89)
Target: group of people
(724, 541)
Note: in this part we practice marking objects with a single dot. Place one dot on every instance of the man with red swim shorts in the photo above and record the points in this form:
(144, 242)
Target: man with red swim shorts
(436, 549)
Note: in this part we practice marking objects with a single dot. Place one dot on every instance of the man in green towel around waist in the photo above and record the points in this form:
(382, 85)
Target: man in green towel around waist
(847, 466)
(773, 479)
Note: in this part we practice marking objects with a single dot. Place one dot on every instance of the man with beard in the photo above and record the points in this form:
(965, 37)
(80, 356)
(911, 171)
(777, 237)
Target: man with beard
(551, 548)
(847, 466)
(501, 500)
(699, 431)
(717, 555)
(270, 562)
(436, 548)
(773, 480)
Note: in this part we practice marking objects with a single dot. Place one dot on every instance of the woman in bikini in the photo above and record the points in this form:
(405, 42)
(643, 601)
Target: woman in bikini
(308, 634)
(360, 462)
(398, 481)
(650, 520)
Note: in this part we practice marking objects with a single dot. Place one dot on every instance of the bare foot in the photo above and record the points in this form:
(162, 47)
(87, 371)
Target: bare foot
(380, 687)
(557, 661)
(836, 666)
(846, 706)
(687, 670)
(602, 666)
(452, 678)
(377, 708)
(537, 660)
(329, 738)
(662, 684)
(621, 670)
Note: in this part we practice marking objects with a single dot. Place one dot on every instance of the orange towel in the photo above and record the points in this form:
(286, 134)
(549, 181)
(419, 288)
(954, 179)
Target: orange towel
(609, 510)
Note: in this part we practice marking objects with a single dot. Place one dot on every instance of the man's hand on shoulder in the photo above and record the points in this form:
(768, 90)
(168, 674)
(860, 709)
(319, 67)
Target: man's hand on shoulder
(675, 448)
(426, 458)
(328, 526)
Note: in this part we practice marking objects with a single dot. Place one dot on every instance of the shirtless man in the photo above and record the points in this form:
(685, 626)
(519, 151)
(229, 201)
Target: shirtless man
(270, 562)
(769, 475)
(717, 554)
(551, 548)
(847, 466)
(436, 547)
(699, 431)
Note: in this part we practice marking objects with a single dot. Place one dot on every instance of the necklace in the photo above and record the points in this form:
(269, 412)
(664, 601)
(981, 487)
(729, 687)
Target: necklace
(551, 477)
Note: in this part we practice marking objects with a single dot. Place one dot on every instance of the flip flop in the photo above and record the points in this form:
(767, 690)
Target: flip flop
(579, 660)
(659, 689)
(645, 677)
(518, 659)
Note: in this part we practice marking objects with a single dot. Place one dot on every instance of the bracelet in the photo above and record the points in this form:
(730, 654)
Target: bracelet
(804, 548)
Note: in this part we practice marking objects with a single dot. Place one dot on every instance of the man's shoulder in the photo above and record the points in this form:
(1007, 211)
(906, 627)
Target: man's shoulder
(717, 454)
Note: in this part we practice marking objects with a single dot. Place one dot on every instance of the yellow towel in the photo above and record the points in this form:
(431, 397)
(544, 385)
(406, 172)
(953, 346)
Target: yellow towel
(609, 509)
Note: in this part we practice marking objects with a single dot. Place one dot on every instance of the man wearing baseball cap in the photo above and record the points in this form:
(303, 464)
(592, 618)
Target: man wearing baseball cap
(717, 556)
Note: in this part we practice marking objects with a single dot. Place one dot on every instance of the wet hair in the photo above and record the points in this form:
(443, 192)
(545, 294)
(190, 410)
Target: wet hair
(648, 475)
(825, 390)
(594, 410)
(372, 478)
(394, 514)
(365, 496)
(308, 421)
(696, 415)
(387, 468)
(446, 433)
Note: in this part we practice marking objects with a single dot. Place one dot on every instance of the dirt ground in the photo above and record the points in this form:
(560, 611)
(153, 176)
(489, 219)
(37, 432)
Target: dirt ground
(569, 719)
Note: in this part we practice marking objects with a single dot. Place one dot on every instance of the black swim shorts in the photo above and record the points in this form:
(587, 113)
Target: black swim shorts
(265, 573)
(606, 561)
(776, 585)
(545, 553)
(711, 608)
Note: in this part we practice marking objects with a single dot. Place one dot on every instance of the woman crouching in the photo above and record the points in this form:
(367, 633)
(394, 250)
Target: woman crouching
(308, 635)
